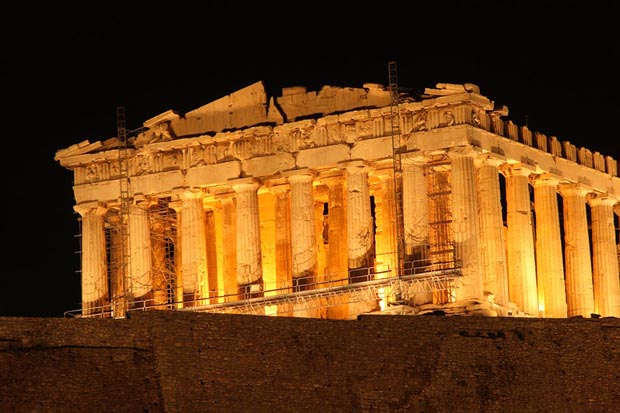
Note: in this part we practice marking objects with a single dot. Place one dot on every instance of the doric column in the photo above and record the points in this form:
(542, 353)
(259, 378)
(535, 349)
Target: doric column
(549, 260)
(416, 220)
(466, 225)
(415, 211)
(359, 219)
(606, 282)
(159, 228)
(140, 282)
(492, 240)
(386, 246)
(284, 271)
(579, 288)
(303, 231)
(95, 295)
(520, 240)
(229, 246)
(337, 256)
(337, 253)
(211, 245)
(249, 259)
(194, 248)
(177, 288)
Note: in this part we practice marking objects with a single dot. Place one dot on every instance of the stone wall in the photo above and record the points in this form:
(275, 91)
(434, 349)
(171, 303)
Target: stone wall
(196, 362)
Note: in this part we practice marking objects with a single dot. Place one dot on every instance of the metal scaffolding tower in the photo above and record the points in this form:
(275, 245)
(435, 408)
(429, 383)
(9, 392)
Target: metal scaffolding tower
(125, 205)
(397, 164)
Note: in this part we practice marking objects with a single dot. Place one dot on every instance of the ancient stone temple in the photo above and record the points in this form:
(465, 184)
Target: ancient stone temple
(344, 201)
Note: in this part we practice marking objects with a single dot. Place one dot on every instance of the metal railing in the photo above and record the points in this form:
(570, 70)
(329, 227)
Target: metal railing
(419, 276)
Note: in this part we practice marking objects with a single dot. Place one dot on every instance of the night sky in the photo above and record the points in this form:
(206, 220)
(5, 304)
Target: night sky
(64, 71)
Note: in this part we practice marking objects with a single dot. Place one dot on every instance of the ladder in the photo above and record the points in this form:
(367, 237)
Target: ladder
(125, 204)
(397, 165)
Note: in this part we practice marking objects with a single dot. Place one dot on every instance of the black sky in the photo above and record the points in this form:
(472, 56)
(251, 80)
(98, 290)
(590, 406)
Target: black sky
(64, 71)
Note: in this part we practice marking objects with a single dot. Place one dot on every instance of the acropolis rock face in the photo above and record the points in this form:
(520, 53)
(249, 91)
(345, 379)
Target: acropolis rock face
(291, 206)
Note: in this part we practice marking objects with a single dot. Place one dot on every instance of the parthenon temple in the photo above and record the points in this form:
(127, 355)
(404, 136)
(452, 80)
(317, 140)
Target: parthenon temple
(344, 201)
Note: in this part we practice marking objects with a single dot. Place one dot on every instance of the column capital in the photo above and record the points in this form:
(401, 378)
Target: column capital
(515, 169)
(298, 172)
(488, 160)
(277, 185)
(458, 151)
(299, 175)
(544, 179)
(188, 194)
(355, 166)
(413, 158)
(597, 199)
(94, 207)
(572, 189)
(239, 184)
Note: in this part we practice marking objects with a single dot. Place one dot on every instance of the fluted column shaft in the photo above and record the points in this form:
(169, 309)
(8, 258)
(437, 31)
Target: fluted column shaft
(359, 219)
(492, 242)
(415, 212)
(606, 281)
(140, 280)
(94, 267)
(579, 288)
(249, 259)
(194, 248)
(386, 251)
(159, 265)
(303, 231)
(337, 255)
(282, 194)
(229, 243)
(549, 260)
(520, 241)
(177, 206)
(466, 225)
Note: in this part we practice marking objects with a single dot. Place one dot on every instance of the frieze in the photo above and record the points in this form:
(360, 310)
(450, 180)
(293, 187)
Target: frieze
(156, 154)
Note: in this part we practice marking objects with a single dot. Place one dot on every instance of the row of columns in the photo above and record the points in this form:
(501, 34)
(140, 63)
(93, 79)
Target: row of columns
(521, 263)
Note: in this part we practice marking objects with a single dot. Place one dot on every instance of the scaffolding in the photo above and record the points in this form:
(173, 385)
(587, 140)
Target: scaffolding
(369, 286)
(120, 306)
(397, 165)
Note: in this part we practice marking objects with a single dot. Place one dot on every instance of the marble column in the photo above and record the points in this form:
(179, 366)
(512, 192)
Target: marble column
(140, 282)
(194, 249)
(176, 205)
(579, 287)
(95, 294)
(606, 281)
(303, 231)
(249, 258)
(492, 240)
(466, 225)
(549, 259)
(117, 264)
(520, 240)
(360, 236)
(229, 247)
(416, 221)
(211, 245)
(337, 256)
(284, 270)
(159, 242)
(386, 245)
(415, 213)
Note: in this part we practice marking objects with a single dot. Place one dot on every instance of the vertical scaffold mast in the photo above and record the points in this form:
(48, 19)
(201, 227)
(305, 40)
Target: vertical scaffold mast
(124, 256)
(397, 164)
